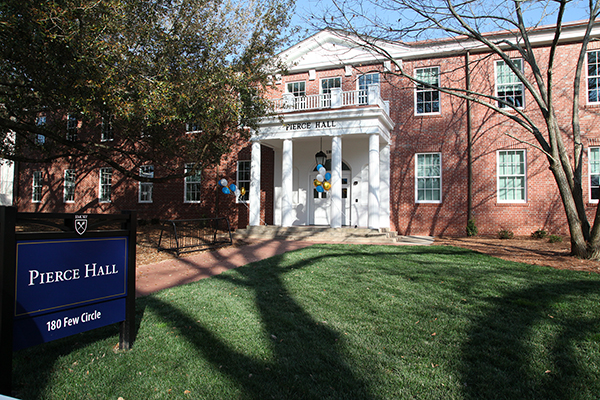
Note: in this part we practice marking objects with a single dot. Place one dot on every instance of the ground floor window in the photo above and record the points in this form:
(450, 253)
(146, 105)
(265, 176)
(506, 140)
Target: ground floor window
(145, 192)
(192, 185)
(36, 187)
(69, 186)
(243, 180)
(512, 177)
(428, 178)
(594, 157)
(104, 191)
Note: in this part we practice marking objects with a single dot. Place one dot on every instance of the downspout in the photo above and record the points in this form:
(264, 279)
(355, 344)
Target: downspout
(469, 141)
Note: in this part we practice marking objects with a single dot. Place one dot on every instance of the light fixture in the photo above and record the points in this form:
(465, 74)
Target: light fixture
(321, 157)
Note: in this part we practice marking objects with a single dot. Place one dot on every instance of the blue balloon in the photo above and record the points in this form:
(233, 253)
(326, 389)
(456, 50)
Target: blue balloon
(328, 176)
(319, 167)
(232, 187)
(320, 189)
(226, 190)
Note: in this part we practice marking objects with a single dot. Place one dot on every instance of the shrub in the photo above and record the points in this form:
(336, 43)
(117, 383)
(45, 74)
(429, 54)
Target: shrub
(505, 234)
(539, 234)
(554, 238)
(471, 228)
(154, 221)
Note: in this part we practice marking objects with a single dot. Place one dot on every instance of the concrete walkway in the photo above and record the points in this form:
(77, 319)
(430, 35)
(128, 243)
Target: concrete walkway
(165, 274)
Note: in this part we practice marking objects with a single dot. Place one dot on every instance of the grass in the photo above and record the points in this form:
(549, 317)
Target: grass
(344, 322)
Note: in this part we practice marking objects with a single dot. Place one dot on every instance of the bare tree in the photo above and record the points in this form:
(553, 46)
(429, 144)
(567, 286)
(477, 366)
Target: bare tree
(375, 23)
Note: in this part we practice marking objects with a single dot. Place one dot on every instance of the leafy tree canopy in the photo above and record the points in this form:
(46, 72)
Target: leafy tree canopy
(153, 66)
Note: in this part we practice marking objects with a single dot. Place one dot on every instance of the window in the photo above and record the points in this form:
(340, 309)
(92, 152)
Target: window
(192, 127)
(363, 86)
(105, 185)
(594, 157)
(593, 76)
(40, 122)
(298, 89)
(243, 180)
(512, 178)
(69, 186)
(36, 187)
(106, 132)
(326, 86)
(428, 178)
(145, 193)
(72, 125)
(508, 87)
(192, 185)
(427, 100)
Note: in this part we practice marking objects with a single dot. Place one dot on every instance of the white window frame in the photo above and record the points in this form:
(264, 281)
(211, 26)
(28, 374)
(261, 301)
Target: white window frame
(40, 139)
(193, 127)
(194, 181)
(516, 82)
(326, 102)
(299, 95)
(245, 183)
(363, 87)
(72, 127)
(419, 177)
(69, 185)
(36, 187)
(105, 185)
(425, 90)
(594, 171)
(593, 77)
(500, 176)
(145, 189)
(106, 129)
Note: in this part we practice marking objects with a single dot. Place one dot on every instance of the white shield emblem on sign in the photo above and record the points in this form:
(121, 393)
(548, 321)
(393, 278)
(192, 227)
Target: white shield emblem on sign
(80, 224)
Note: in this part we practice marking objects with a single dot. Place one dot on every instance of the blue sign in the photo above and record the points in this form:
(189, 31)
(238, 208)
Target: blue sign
(67, 286)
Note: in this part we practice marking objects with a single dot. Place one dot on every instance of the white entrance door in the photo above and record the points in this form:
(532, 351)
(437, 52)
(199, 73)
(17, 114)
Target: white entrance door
(321, 202)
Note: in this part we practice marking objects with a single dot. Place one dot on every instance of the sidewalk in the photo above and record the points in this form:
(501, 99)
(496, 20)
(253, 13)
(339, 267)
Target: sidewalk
(165, 274)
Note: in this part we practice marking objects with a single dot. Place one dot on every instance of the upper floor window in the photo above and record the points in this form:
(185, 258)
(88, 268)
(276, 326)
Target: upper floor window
(192, 187)
(104, 190)
(298, 89)
(428, 177)
(36, 187)
(145, 192)
(69, 186)
(593, 76)
(594, 158)
(193, 126)
(363, 86)
(427, 99)
(40, 122)
(326, 85)
(512, 176)
(107, 133)
(509, 89)
(72, 126)
(243, 180)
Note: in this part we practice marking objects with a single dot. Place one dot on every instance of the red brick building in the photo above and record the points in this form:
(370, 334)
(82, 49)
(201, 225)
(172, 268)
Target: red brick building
(398, 155)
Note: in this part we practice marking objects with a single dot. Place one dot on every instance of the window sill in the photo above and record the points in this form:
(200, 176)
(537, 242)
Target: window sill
(428, 203)
(429, 115)
(525, 204)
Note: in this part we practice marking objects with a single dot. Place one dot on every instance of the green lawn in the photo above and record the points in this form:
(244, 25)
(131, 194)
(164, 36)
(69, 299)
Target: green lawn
(344, 322)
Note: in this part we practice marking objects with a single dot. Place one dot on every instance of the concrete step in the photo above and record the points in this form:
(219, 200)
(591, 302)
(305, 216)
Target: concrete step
(328, 235)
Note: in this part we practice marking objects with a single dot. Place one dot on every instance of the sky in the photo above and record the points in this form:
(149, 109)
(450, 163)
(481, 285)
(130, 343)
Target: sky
(307, 8)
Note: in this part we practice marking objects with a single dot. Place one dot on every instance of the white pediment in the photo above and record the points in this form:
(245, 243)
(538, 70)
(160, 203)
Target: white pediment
(329, 48)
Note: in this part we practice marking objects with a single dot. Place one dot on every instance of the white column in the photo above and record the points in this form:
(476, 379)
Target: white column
(336, 182)
(254, 195)
(287, 173)
(384, 189)
(374, 181)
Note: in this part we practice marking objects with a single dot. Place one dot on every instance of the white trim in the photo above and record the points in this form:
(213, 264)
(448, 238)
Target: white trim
(417, 177)
(186, 167)
(146, 174)
(518, 83)
(524, 201)
(109, 171)
(587, 77)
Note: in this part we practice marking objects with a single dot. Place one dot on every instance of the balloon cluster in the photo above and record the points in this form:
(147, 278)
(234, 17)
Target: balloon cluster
(231, 189)
(321, 182)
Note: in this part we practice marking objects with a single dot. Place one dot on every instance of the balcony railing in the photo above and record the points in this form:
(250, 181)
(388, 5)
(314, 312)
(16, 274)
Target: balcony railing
(335, 99)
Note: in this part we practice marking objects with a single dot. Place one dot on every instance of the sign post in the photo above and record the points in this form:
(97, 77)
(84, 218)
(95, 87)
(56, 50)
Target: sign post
(70, 279)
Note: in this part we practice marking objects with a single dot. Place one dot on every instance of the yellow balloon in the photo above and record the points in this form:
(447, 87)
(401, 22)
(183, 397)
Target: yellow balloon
(243, 190)
(326, 185)
(316, 182)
